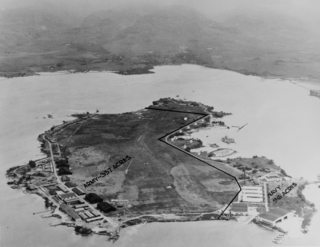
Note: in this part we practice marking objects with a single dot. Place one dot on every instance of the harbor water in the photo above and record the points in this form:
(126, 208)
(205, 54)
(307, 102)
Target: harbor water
(283, 125)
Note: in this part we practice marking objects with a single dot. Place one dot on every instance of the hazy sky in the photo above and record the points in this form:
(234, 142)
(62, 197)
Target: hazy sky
(305, 9)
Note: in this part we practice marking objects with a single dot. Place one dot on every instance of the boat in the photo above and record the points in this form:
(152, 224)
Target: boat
(318, 176)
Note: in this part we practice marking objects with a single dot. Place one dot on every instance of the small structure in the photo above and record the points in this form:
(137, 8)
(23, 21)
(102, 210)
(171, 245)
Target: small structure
(227, 140)
(271, 177)
(78, 191)
(105, 207)
(274, 216)
(315, 93)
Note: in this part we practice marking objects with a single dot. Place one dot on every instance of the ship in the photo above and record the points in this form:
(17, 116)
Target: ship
(227, 140)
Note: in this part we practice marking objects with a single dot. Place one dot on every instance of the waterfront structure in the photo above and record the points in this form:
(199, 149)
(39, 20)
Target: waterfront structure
(251, 194)
(274, 216)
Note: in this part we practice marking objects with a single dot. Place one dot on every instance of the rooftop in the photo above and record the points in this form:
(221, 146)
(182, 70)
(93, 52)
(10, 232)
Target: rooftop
(274, 214)
(67, 195)
(78, 191)
(70, 184)
(239, 207)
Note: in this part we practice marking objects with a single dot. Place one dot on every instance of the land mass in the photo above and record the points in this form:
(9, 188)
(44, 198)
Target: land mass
(117, 170)
(134, 39)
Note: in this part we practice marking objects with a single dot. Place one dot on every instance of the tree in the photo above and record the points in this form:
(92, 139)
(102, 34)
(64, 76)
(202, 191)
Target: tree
(32, 164)
(270, 162)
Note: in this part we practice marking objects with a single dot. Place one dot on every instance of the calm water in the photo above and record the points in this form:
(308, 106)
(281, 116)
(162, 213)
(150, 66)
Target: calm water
(283, 125)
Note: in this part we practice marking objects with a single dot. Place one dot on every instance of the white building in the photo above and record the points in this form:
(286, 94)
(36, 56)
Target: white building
(274, 216)
(271, 177)
(251, 194)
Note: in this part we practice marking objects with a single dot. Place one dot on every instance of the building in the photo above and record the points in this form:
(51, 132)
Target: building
(239, 208)
(69, 211)
(67, 196)
(252, 194)
(274, 216)
(61, 187)
(78, 191)
(70, 184)
(271, 177)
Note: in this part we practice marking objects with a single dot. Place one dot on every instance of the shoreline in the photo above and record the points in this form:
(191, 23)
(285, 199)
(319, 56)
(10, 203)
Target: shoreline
(137, 222)
(148, 69)
(30, 188)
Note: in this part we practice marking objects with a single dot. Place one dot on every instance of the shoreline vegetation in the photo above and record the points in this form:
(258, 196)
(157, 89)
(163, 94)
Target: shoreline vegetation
(146, 69)
(36, 175)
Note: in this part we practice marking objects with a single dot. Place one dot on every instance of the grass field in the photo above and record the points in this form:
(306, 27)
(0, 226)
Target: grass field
(160, 179)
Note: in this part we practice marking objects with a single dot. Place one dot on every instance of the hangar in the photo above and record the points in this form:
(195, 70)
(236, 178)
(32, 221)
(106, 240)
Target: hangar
(274, 216)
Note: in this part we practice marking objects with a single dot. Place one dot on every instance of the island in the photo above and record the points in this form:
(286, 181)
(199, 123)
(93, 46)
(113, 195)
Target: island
(105, 172)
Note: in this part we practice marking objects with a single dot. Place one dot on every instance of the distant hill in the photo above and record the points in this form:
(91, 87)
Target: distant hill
(261, 42)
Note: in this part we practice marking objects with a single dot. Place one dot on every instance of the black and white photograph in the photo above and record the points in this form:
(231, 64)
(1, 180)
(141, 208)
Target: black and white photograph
(174, 123)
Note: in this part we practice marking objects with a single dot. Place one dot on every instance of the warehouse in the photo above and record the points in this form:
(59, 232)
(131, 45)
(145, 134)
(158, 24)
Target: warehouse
(78, 191)
(274, 216)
